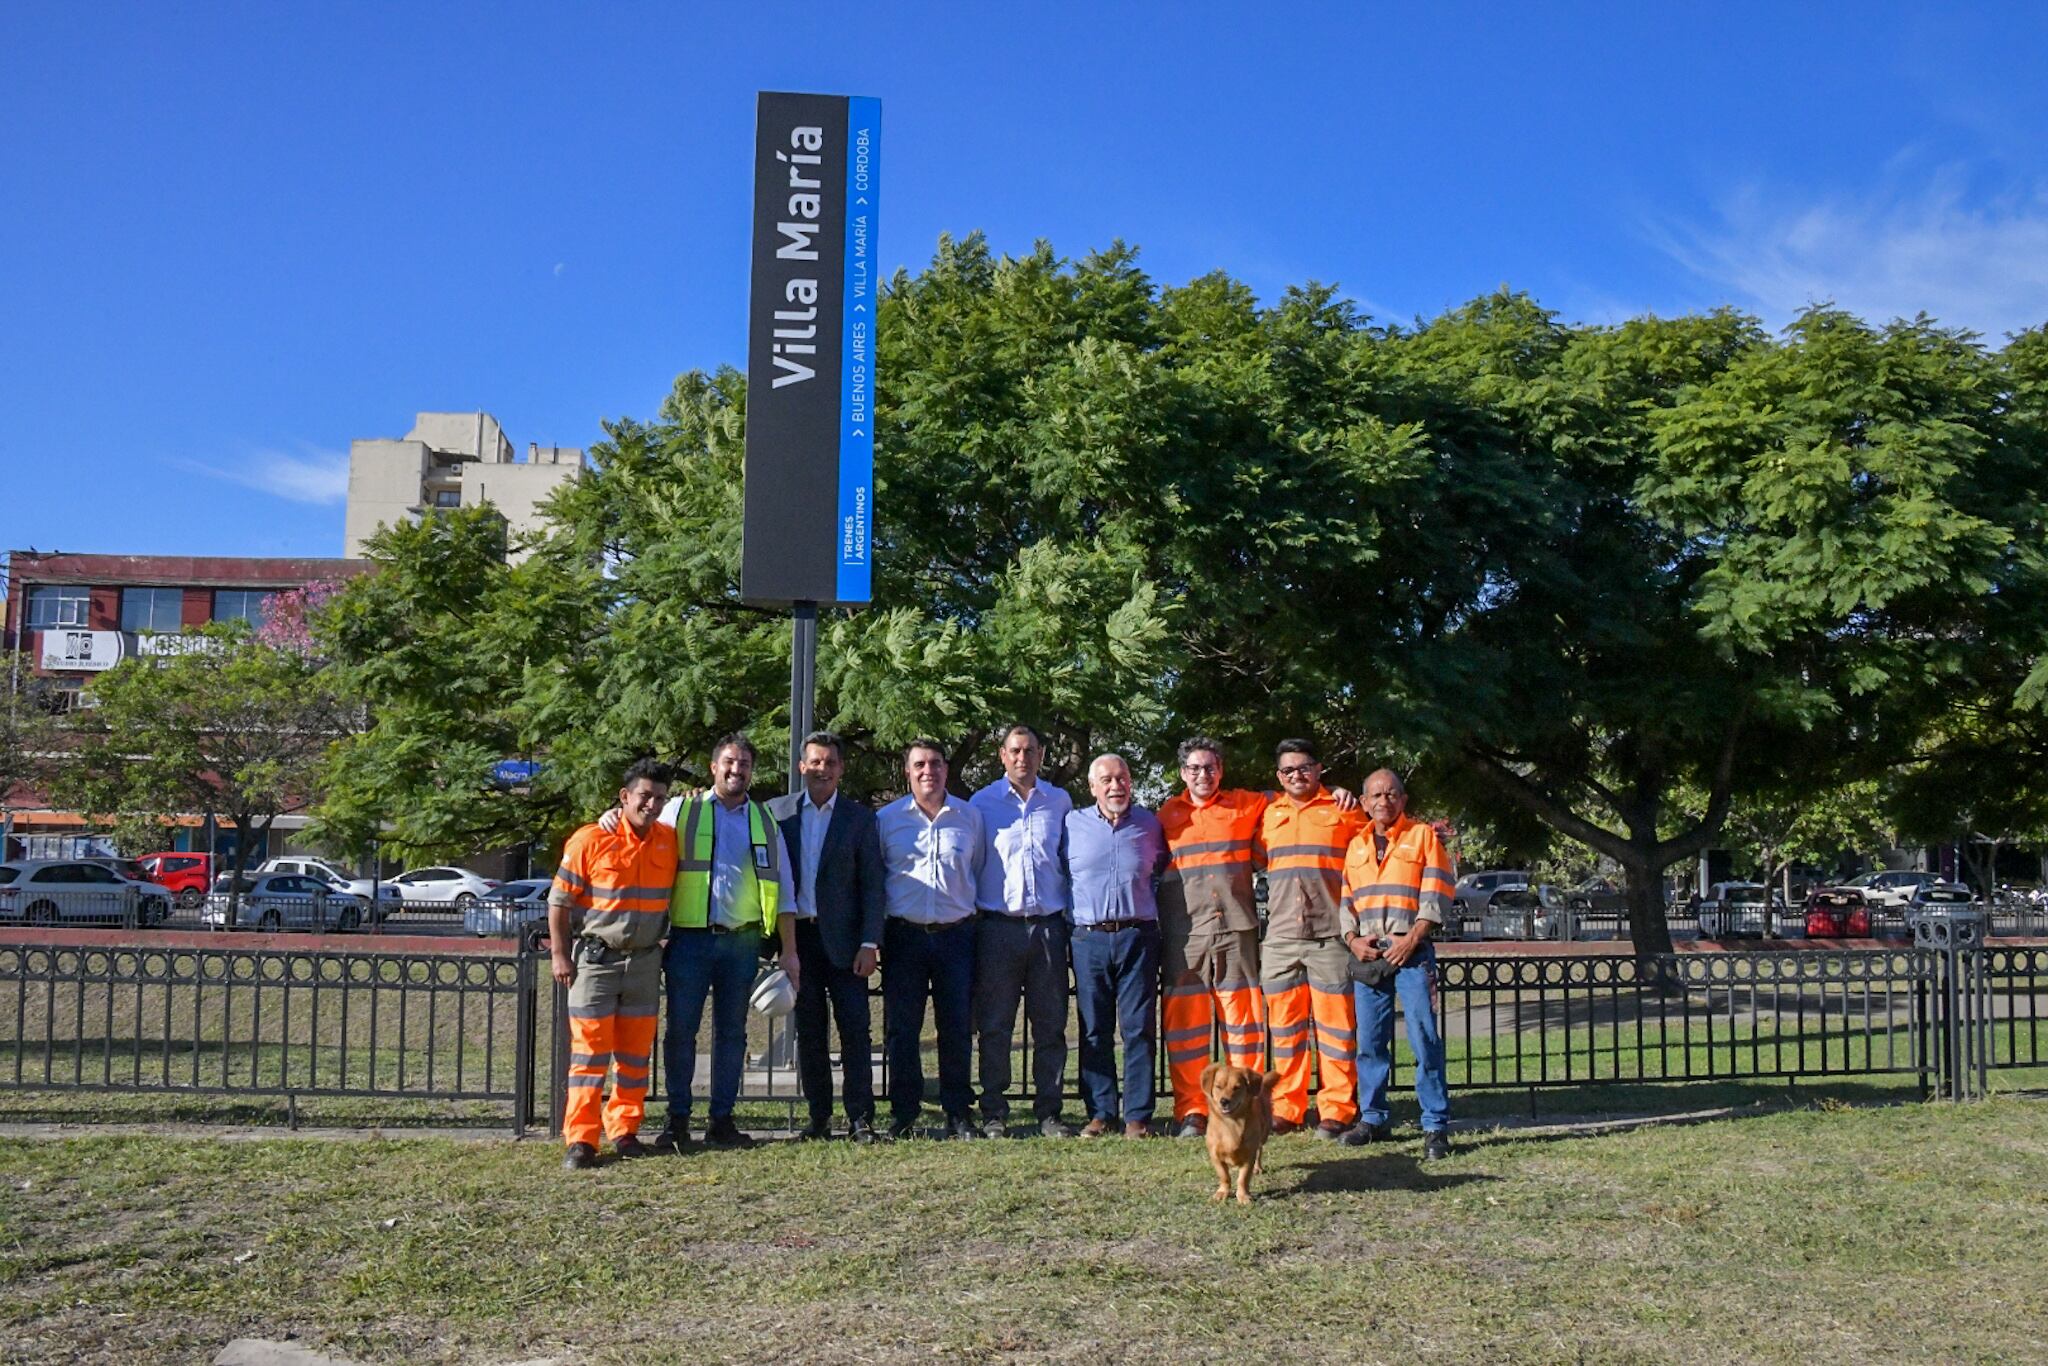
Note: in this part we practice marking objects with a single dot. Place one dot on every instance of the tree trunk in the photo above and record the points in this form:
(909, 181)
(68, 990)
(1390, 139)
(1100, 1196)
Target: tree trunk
(1647, 927)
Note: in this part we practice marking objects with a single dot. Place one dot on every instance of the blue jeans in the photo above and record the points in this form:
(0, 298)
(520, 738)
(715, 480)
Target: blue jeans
(1376, 1043)
(1116, 986)
(722, 966)
(935, 965)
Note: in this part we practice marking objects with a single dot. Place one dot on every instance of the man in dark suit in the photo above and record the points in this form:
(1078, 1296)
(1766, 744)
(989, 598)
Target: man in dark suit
(835, 858)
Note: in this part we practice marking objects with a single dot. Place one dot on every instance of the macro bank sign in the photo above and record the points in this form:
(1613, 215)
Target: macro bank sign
(810, 351)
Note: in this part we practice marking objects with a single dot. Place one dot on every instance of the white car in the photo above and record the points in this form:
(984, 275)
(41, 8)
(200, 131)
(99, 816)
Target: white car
(1743, 910)
(387, 895)
(455, 886)
(82, 891)
(284, 901)
(515, 910)
(1894, 887)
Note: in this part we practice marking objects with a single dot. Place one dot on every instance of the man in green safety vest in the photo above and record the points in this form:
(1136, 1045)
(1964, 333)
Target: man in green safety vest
(732, 891)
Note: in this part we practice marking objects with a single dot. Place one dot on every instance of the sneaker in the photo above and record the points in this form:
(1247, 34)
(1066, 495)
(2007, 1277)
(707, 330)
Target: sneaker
(1329, 1130)
(1362, 1133)
(630, 1147)
(861, 1131)
(1138, 1128)
(723, 1133)
(960, 1126)
(1095, 1128)
(1436, 1146)
(1055, 1127)
(1194, 1126)
(814, 1131)
(995, 1128)
(579, 1157)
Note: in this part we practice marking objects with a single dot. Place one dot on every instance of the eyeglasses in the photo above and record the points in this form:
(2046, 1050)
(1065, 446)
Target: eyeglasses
(1200, 768)
(1298, 770)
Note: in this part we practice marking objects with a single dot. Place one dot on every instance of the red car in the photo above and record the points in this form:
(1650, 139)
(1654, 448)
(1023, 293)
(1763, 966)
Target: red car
(1837, 913)
(188, 875)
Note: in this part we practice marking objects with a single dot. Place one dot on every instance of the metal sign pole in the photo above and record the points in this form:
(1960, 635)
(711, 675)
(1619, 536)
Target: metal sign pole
(803, 683)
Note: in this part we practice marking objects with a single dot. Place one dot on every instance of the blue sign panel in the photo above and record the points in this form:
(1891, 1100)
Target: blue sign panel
(515, 772)
(857, 354)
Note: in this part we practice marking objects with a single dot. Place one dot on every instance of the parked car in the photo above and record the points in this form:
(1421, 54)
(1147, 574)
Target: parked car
(1475, 891)
(188, 875)
(284, 901)
(1837, 913)
(1891, 887)
(46, 891)
(515, 909)
(456, 885)
(1600, 895)
(1931, 894)
(387, 895)
(1740, 910)
(1539, 912)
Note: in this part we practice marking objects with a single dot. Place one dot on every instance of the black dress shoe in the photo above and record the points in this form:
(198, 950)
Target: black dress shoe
(861, 1131)
(673, 1138)
(630, 1147)
(1055, 1127)
(960, 1126)
(1362, 1133)
(903, 1128)
(1436, 1146)
(817, 1129)
(723, 1133)
(579, 1157)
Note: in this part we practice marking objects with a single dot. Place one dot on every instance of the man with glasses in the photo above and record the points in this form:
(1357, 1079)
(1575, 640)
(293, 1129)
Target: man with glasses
(1397, 889)
(1209, 926)
(1306, 975)
(1021, 934)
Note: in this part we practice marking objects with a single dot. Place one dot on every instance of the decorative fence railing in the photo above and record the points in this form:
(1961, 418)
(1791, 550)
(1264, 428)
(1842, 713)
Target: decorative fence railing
(487, 1028)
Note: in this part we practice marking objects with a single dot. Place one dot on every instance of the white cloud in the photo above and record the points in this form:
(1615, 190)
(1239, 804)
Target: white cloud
(1967, 261)
(311, 477)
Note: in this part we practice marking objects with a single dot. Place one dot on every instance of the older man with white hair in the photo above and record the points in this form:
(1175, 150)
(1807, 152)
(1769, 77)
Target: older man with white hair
(1115, 852)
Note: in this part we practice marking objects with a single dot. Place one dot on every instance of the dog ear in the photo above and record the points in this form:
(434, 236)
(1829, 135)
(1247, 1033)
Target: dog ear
(1268, 1082)
(1209, 1074)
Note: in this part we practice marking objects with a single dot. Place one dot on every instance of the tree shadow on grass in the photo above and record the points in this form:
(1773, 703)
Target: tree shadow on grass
(1378, 1172)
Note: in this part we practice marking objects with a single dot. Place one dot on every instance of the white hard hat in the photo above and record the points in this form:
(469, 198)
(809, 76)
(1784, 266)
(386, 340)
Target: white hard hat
(773, 995)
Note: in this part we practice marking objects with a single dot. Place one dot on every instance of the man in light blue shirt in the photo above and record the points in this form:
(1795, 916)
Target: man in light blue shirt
(1021, 935)
(1115, 852)
(933, 849)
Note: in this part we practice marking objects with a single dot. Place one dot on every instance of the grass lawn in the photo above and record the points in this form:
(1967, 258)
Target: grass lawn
(1905, 1231)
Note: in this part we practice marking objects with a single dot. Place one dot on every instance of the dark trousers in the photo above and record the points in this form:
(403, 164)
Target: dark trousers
(1021, 957)
(822, 984)
(918, 965)
(1116, 986)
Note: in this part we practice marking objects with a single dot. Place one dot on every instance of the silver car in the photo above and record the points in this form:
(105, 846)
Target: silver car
(80, 892)
(513, 910)
(272, 902)
(1524, 912)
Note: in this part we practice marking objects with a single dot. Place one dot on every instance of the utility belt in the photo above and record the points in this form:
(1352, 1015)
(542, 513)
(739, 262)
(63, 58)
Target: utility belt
(589, 949)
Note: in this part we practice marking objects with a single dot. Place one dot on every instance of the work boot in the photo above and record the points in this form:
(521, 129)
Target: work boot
(1436, 1146)
(1329, 1130)
(1055, 1127)
(630, 1146)
(580, 1157)
(1285, 1126)
(1095, 1128)
(1194, 1126)
(1362, 1133)
(723, 1133)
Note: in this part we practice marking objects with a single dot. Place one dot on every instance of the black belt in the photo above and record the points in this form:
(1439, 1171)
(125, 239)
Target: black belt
(1112, 926)
(1019, 915)
(717, 929)
(933, 928)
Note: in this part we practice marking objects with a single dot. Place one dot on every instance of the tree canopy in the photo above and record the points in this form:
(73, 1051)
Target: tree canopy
(1564, 575)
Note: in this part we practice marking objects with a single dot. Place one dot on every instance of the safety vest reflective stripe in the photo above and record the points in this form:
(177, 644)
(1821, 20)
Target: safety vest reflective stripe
(759, 891)
(1379, 891)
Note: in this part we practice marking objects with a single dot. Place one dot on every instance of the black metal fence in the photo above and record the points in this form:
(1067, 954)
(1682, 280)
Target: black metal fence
(486, 1029)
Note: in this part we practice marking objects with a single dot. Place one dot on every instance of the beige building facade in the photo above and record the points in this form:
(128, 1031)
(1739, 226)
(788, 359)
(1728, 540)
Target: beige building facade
(449, 460)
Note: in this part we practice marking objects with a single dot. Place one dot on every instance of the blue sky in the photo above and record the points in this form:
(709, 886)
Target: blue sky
(238, 236)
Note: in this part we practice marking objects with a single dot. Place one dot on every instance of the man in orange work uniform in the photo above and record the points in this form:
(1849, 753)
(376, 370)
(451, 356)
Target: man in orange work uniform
(1209, 926)
(1306, 976)
(607, 913)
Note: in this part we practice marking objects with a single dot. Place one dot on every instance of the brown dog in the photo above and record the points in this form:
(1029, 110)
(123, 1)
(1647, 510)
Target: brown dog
(1240, 1118)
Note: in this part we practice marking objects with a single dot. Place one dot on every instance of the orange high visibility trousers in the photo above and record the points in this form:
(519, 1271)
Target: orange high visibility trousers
(612, 1010)
(1309, 1012)
(1207, 978)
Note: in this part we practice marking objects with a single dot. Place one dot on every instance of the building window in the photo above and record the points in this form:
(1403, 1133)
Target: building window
(57, 606)
(236, 604)
(152, 609)
(447, 498)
